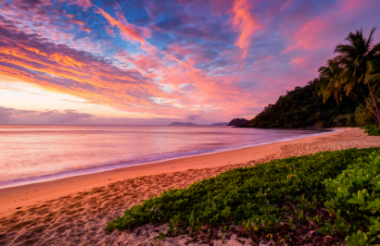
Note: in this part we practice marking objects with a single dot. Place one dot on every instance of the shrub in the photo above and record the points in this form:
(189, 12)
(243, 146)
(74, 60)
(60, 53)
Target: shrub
(354, 200)
(256, 197)
(345, 120)
(372, 130)
(362, 117)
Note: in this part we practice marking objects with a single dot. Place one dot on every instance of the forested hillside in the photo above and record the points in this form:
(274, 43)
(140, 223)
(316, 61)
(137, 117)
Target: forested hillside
(303, 107)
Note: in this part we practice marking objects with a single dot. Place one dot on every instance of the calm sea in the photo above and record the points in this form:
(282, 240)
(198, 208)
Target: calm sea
(31, 154)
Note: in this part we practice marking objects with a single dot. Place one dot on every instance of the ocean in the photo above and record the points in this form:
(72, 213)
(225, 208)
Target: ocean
(36, 153)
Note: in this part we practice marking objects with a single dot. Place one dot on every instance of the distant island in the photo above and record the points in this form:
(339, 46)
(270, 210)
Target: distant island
(238, 122)
(220, 124)
(193, 124)
(183, 124)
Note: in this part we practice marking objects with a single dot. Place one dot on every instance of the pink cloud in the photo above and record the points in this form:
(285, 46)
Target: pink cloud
(298, 60)
(84, 3)
(215, 59)
(245, 22)
(330, 27)
(131, 32)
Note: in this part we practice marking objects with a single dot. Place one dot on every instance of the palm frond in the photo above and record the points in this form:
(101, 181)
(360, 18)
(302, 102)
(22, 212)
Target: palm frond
(373, 70)
(374, 51)
(369, 41)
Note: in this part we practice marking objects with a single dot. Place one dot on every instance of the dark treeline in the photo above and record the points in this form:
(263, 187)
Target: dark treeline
(303, 107)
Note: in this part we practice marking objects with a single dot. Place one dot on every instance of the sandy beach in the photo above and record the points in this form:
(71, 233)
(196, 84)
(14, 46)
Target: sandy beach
(74, 211)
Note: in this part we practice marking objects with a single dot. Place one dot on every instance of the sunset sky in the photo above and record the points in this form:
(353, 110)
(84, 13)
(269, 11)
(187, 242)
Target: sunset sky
(159, 61)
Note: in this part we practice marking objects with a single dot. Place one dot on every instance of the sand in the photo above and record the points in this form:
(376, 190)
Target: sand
(74, 211)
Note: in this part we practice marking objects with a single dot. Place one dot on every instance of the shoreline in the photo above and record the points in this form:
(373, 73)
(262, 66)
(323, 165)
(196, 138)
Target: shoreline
(38, 192)
(106, 168)
(74, 211)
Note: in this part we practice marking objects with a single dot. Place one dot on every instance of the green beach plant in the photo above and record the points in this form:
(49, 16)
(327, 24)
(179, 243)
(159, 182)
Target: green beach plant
(275, 197)
(354, 196)
(371, 130)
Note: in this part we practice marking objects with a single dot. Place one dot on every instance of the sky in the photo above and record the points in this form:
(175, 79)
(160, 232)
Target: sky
(152, 62)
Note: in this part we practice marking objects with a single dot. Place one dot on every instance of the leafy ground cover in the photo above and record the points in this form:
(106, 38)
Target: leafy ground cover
(371, 130)
(353, 198)
(325, 198)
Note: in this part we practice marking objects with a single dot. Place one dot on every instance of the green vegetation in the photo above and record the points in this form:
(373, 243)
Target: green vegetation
(353, 198)
(351, 78)
(303, 107)
(354, 70)
(282, 200)
(372, 130)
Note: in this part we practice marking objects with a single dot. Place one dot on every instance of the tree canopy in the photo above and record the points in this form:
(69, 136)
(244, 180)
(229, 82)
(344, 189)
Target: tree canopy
(303, 107)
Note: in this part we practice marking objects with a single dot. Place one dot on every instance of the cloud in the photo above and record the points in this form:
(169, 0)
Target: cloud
(213, 59)
(15, 116)
(70, 117)
(245, 22)
(333, 25)
(131, 32)
(84, 3)
(188, 88)
(170, 23)
(30, 58)
(193, 117)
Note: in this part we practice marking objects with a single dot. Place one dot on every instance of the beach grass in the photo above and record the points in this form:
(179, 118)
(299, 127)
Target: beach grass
(292, 199)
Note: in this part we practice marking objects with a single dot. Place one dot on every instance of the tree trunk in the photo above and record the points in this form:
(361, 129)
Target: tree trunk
(369, 105)
(374, 102)
(370, 113)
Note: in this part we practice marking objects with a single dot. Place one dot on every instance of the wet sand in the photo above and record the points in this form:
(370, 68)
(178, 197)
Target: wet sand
(74, 211)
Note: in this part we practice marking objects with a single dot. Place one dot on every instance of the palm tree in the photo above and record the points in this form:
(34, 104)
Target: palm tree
(354, 71)
(333, 81)
(372, 75)
(330, 81)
